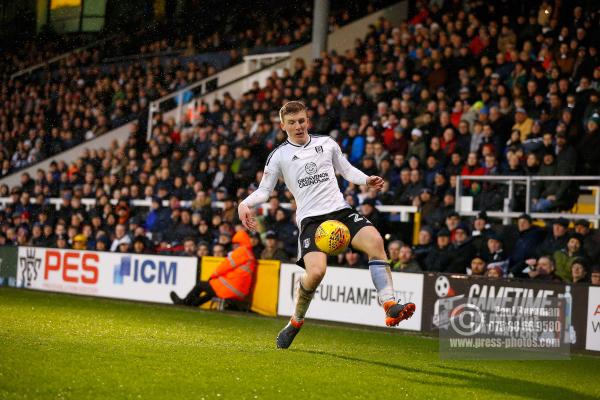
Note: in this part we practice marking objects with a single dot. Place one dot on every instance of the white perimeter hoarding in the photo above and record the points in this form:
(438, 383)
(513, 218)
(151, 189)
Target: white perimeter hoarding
(592, 341)
(123, 276)
(348, 295)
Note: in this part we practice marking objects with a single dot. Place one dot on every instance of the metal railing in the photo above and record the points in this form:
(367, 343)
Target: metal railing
(511, 181)
(89, 203)
(252, 65)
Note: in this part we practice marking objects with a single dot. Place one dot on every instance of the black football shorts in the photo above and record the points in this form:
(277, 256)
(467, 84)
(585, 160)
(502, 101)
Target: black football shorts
(306, 239)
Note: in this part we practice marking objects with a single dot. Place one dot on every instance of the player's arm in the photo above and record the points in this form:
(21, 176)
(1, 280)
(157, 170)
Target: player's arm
(351, 173)
(260, 195)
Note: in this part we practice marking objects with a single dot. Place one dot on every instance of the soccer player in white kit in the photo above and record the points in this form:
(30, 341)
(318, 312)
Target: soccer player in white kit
(308, 164)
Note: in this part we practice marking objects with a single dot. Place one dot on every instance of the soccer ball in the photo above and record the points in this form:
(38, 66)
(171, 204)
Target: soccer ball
(332, 237)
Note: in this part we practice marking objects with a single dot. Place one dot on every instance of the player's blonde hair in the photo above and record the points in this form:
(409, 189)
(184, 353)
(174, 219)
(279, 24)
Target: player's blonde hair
(291, 107)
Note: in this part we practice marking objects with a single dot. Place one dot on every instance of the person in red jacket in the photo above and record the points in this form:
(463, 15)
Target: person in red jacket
(232, 279)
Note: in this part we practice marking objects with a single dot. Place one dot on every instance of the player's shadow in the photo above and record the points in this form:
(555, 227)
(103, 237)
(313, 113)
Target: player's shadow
(472, 379)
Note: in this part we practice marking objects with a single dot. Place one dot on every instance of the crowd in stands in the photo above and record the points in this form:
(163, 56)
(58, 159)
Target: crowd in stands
(81, 96)
(455, 90)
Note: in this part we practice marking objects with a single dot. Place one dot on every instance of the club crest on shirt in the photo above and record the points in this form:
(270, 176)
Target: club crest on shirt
(310, 168)
(319, 149)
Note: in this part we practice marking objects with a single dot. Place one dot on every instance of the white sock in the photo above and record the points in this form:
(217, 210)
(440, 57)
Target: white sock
(382, 279)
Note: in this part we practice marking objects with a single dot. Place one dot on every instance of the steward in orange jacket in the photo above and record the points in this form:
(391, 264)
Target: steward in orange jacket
(231, 280)
(233, 277)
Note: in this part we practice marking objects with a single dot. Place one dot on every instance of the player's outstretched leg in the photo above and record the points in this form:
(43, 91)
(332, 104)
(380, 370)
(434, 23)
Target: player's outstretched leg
(316, 264)
(288, 333)
(370, 241)
(396, 312)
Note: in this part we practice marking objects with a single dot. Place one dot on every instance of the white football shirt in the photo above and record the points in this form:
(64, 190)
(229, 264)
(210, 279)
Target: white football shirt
(309, 173)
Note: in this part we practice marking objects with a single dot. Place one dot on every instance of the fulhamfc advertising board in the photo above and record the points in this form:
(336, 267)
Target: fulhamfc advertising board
(348, 295)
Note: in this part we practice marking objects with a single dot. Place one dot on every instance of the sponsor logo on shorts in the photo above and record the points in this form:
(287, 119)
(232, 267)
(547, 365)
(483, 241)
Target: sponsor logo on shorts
(306, 243)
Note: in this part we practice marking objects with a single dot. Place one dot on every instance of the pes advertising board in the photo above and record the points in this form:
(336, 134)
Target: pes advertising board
(118, 275)
(348, 295)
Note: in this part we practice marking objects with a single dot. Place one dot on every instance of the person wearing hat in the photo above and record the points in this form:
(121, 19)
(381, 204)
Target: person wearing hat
(552, 194)
(139, 244)
(525, 247)
(102, 242)
(272, 250)
(79, 242)
(461, 250)
(579, 271)
(427, 204)
(369, 211)
(564, 257)
(417, 146)
(587, 149)
(477, 267)
(354, 145)
(591, 238)
(439, 256)
(495, 270)
(232, 279)
(556, 238)
(158, 217)
(425, 245)
(480, 232)
(522, 123)
(494, 251)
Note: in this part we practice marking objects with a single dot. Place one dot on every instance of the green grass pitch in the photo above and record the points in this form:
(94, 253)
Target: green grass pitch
(66, 347)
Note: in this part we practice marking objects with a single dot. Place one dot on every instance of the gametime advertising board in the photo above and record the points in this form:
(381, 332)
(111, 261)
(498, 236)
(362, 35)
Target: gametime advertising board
(348, 295)
(118, 275)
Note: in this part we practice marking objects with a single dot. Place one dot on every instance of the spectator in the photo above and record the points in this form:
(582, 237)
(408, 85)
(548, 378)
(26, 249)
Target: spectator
(542, 269)
(530, 237)
(121, 237)
(461, 251)
(477, 266)
(579, 272)
(556, 238)
(563, 258)
(591, 239)
(439, 257)
(595, 275)
(494, 251)
(552, 194)
(394, 253)
(406, 261)
(352, 259)
(424, 246)
(272, 250)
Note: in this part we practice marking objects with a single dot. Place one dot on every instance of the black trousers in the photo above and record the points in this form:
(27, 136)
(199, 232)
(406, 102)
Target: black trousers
(200, 294)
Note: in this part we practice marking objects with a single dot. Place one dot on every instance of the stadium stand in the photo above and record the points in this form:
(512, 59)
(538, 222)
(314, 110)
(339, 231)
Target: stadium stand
(93, 90)
(452, 91)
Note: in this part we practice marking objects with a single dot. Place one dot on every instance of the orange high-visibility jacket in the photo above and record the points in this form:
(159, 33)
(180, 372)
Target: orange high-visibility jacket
(233, 277)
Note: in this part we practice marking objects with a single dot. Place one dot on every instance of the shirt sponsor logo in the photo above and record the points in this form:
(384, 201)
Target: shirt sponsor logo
(313, 180)
(311, 168)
